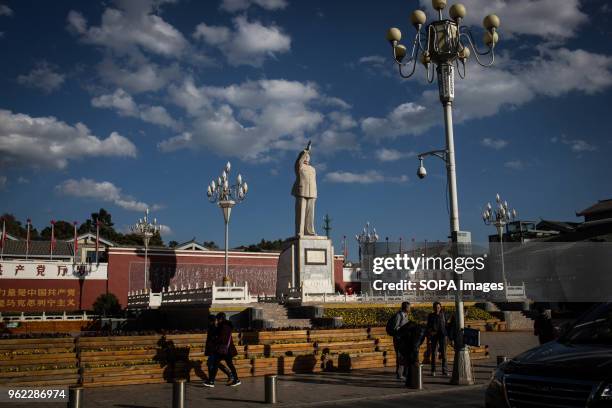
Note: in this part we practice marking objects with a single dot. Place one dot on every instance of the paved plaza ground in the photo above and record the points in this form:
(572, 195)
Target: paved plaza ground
(368, 388)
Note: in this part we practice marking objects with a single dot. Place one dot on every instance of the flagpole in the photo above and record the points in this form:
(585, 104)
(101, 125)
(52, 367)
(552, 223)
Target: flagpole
(76, 244)
(28, 224)
(3, 239)
(52, 238)
(97, 240)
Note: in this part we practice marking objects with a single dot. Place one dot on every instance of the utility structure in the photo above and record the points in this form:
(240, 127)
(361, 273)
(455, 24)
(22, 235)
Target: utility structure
(367, 236)
(499, 217)
(327, 225)
(443, 47)
(146, 230)
(226, 196)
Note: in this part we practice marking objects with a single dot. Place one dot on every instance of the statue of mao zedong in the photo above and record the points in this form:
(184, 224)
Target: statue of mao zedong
(305, 192)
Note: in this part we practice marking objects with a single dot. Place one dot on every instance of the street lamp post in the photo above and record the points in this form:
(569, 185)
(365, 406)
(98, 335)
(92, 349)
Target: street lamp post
(146, 229)
(444, 47)
(226, 196)
(499, 217)
(367, 236)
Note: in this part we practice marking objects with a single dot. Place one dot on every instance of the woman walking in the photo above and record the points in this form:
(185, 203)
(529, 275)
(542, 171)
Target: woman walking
(224, 351)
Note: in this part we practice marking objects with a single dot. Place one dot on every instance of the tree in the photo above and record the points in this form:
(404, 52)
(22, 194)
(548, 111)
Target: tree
(173, 244)
(264, 245)
(210, 245)
(107, 304)
(15, 228)
(62, 230)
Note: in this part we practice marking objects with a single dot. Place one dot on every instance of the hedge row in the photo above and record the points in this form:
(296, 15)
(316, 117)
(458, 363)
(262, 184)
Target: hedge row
(370, 316)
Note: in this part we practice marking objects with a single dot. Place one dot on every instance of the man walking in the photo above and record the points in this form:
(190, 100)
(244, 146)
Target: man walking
(436, 327)
(394, 325)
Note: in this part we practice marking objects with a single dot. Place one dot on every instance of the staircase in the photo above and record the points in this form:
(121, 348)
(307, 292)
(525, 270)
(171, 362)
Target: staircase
(278, 315)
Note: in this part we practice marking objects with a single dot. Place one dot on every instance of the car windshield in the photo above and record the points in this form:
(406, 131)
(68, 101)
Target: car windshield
(595, 327)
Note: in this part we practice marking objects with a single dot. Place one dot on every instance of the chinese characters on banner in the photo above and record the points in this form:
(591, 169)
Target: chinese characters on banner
(51, 270)
(35, 285)
(24, 299)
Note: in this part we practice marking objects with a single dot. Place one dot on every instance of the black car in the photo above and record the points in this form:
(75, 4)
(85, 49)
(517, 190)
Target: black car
(573, 371)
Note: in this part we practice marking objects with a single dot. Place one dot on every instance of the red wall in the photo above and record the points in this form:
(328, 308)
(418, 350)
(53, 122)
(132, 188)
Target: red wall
(186, 267)
(126, 269)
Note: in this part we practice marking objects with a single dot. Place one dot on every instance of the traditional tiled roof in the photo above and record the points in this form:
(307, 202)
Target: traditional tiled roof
(192, 245)
(599, 207)
(37, 249)
(561, 226)
(92, 237)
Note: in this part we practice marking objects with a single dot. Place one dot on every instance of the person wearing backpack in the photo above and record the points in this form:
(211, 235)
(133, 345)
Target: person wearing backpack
(394, 324)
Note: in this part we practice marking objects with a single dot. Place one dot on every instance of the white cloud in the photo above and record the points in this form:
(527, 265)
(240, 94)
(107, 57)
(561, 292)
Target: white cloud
(484, 92)
(131, 28)
(5, 10)
(22, 180)
(576, 145)
(233, 6)
(101, 191)
(3, 182)
(44, 77)
(515, 164)
(124, 105)
(165, 230)
(139, 75)
(388, 155)
(250, 43)
(407, 118)
(368, 177)
(547, 19)
(48, 142)
(373, 59)
(251, 119)
(182, 141)
(493, 143)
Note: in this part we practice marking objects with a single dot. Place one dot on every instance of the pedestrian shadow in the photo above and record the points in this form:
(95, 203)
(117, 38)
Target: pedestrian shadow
(236, 400)
(176, 362)
(133, 406)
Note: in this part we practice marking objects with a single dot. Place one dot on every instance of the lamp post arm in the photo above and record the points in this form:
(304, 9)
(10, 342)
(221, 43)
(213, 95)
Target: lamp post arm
(441, 154)
(468, 35)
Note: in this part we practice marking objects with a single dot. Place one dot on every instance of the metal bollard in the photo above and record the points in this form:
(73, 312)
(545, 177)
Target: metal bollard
(270, 387)
(75, 397)
(178, 394)
(416, 376)
(501, 359)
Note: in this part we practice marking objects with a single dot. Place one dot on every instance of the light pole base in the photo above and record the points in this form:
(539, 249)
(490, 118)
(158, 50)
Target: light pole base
(462, 368)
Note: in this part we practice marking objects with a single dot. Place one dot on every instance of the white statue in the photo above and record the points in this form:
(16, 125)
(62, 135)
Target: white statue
(305, 193)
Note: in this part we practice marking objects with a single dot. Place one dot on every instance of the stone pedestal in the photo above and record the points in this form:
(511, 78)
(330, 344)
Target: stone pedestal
(306, 263)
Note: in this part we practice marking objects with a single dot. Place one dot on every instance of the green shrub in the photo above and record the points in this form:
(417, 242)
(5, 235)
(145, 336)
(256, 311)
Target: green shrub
(378, 316)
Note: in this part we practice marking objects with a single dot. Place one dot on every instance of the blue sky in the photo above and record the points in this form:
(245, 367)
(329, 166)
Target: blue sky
(125, 105)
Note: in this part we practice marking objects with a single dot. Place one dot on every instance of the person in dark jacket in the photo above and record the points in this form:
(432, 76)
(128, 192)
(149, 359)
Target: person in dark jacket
(436, 328)
(212, 336)
(411, 336)
(400, 319)
(543, 325)
(224, 350)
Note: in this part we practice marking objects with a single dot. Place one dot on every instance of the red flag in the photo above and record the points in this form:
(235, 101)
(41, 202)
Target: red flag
(76, 243)
(28, 224)
(52, 246)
